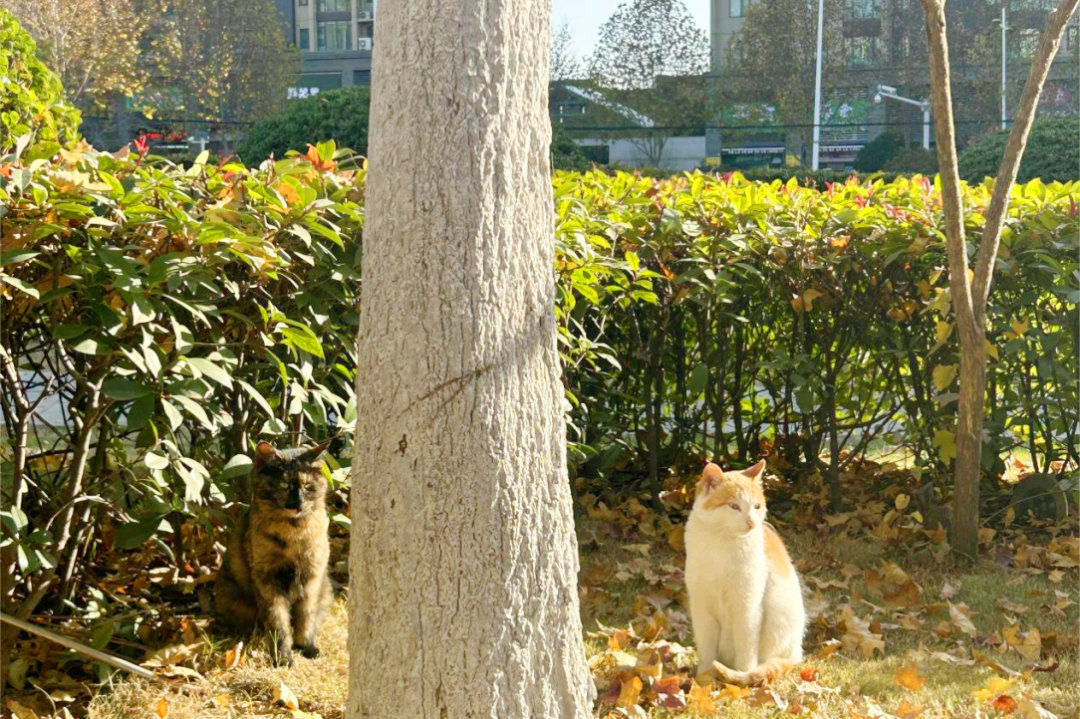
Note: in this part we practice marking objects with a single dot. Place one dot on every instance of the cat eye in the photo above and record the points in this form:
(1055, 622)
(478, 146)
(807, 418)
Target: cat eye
(734, 505)
(310, 488)
(757, 506)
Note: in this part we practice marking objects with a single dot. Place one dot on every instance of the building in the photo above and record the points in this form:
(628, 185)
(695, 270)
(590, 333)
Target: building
(335, 40)
(884, 42)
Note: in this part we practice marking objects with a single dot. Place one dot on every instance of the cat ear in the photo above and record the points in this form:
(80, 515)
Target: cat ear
(756, 473)
(310, 455)
(264, 452)
(711, 477)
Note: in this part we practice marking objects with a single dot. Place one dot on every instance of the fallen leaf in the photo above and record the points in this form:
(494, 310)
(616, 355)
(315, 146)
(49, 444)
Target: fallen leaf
(909, 711)
(162, 708)
(1008, 606)
(1028, 708)
(21, 711)
(733, 692)
(223, 700)
(948, 591)
(995, 687)
(961, 620)
(1028, 644)
(909, 678)
(286, 697)
(859, 639)
(235, 656)
(701, 699)
(808, 674)
(629, 691)
(1004, 704)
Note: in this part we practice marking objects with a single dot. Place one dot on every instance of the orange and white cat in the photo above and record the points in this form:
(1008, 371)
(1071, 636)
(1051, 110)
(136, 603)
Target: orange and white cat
(746, 602)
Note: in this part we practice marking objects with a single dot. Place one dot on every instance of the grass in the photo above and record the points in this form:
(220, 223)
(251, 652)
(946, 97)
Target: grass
(636, 580)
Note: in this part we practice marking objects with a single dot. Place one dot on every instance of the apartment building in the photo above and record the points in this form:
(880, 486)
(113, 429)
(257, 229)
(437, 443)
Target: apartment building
(335, 40)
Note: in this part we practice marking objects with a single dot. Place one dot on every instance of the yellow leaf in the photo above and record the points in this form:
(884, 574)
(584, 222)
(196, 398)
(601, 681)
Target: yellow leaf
(1028, 645)
(1020, 328)
(21, 711)
(946, 444)
(991, 349)
(162, 708)
(733, 692)
(629, 691)
(805, 301)
(902, 501)
(285, 696)
(701, 700)
(995, 687)
(944, 374)
(223, 700)
(942, 331)
(909, 678)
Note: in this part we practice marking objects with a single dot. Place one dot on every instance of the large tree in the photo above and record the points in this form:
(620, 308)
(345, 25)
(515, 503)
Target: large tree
(463, 563)
(93, 45)
(970, 286)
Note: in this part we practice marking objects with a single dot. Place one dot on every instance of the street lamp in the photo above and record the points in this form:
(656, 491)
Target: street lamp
(816, 153)
(887, 91)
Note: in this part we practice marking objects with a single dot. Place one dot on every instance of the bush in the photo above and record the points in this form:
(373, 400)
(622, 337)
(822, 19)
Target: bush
(31, 96)
(1052, 153)
(920, 161)
(168, 318)
(565, 154)
(877, 153)
(172, 317)
(338, 115)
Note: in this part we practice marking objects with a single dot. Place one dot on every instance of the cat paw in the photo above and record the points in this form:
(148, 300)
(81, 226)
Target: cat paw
(283, 657)
(310, 651)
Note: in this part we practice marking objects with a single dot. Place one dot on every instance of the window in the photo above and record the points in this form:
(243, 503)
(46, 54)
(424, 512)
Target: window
(305, 39)
(737, 8)
(1072, 38)
(334, 6)
(303, 3)
(361, 77)
(1029, 40)
(334, 36)
(863, 9)
(863, 50)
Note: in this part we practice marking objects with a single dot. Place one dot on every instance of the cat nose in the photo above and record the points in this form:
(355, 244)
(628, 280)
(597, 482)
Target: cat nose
(750, 525)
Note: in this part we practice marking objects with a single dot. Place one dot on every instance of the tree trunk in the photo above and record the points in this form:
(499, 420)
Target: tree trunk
(970, 292)
(463, 563)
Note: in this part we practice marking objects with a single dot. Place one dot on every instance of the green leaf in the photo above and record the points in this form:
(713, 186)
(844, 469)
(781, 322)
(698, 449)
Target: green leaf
(124, 389)
(173, 415)
(257, 396)
(135, 534)
(153, 460)
(142, 310)
(239, 465)
(206, 367)
(196, 410)
(20, 285)
(699, 376)
(301, 340)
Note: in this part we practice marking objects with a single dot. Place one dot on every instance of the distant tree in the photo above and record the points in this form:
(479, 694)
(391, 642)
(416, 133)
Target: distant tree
(1052, 153)
(645, 39)
(565, 65)
(94, 46)
(223, 60)
(338, 115)
(771, 59)
(651, 58)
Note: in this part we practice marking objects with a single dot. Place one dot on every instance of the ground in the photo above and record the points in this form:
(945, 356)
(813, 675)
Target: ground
(899, 627)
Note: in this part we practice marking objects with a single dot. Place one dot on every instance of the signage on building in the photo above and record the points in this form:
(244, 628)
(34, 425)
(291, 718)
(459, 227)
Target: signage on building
(299, 93)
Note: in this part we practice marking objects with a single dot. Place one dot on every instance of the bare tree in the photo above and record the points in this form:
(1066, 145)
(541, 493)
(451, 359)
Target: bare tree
(463, 563)
(969, 288)
(565, 65)
(645, 39)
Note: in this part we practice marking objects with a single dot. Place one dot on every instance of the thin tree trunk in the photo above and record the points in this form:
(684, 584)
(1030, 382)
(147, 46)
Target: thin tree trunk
(463, 565)
(969, 294)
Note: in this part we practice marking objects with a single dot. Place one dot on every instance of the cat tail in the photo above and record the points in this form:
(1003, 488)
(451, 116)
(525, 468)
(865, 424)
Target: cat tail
(762, 674)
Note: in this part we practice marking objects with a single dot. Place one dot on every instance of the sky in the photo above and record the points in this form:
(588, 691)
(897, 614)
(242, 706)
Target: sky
(586, 16)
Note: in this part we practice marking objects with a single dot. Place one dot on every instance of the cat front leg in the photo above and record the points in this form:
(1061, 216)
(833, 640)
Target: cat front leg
(746, 638)
(278, 621)
(308, 612)
(706, 636)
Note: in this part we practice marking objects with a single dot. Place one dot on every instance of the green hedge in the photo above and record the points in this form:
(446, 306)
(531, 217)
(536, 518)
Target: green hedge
(179, 314)
(32, 105)
(1052, 153)
(338, 115)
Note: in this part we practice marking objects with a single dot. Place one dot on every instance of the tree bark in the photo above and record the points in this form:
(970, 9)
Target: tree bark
(463, 564)
(970, 291)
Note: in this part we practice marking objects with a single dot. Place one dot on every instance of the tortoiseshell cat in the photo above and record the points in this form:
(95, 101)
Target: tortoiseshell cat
(275, 566)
